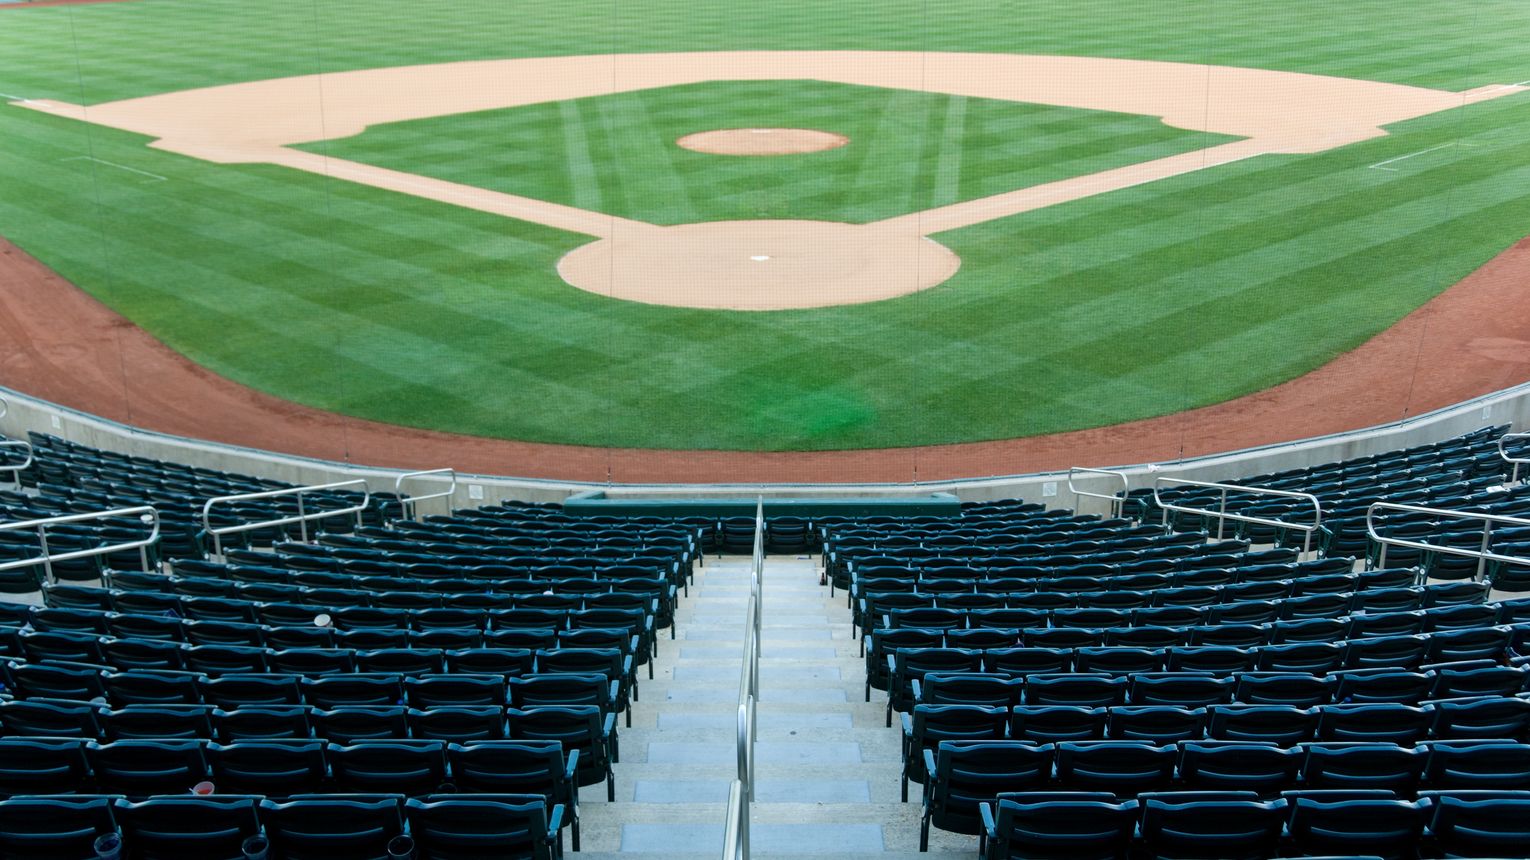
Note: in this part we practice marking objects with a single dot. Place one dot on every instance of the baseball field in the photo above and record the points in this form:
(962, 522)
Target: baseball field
(801, 225)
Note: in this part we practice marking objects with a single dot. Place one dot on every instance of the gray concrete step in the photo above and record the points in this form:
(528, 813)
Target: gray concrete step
(827, 770)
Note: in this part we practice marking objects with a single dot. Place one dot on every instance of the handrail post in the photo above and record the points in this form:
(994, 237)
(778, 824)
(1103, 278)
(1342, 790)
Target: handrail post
(1487, 536)
(302, 520)
(42, 542)
(1222, 514)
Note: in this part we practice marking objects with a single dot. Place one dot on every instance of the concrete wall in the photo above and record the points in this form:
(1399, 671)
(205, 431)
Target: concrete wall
(23, 413)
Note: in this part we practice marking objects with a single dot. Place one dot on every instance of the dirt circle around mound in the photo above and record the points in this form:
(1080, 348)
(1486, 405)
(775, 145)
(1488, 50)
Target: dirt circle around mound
(762, 141)
(759, 265)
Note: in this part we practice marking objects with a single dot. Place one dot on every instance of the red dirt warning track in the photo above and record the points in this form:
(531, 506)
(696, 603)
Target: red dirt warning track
(63, 345)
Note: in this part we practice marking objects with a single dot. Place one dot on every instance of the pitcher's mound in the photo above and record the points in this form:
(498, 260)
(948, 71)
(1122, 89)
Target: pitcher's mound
(762, 141)
(759, 265)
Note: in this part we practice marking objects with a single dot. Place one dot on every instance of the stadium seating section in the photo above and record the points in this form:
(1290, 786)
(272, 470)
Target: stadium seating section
(1156, 684)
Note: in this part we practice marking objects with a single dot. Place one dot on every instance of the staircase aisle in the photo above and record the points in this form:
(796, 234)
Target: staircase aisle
(827, 768)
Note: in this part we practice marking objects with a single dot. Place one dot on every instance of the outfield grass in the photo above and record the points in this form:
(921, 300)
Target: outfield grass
(908, 151)
(1141, 302)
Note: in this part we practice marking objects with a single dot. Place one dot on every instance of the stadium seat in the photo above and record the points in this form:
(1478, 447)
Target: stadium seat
(1475, 765)
(1264, 768)
(1477, 826)
(1049, 826)
(520, 767)
(38, 766)
(275, 768)
(140, 768)
(1363, 765)
(1385, 828)
(964, 774)
(928, 725)
(1212, 829)
(485, 826)
(187, 826)
(1121, 767)
(410, 767)
(332, 828)
(47, 828)
(581, 728)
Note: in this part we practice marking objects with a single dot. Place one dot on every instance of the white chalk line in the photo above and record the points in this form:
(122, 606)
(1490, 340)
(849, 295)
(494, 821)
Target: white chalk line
(1382, 165)
(1497, 89)
(154, 176)
(10, 98)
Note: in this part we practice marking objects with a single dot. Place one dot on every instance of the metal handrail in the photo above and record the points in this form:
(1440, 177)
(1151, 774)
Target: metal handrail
(145, 514)
(5, 408)
(1482, 554)
(303, 517)
(1222, 514)
(408, 505)
(17, 468)
(1116, 501)
(741, 793)
(736, 846)
(1504, 453)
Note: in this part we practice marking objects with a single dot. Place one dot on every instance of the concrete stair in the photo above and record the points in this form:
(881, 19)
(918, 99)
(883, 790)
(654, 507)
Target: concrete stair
(827, 768)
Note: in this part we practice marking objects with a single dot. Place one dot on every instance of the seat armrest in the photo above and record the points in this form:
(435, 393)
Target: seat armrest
(990, 827)
(554, 824)
(571, 766)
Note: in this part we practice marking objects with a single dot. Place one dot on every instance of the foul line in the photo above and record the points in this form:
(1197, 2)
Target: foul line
(154, 176)
(10, 98)
(1382, 165)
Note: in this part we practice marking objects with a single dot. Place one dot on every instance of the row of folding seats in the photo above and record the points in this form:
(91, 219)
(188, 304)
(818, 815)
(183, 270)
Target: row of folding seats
(432, 561)
(253, 616)
(1121, 557)
(430, 828)
(1108, 571)
(1487, 718)
(1294, 580)
(1230, 825)
(149, 642)
(341, 724)
(990, 766)
(1302, 689)
(904, 662)
(135, 592)
(433, 578)
(68, 683)
(1319, 606)
(544, 744)
(1247, 634)
(1453, 608)
(1252, 623)
(529, 611)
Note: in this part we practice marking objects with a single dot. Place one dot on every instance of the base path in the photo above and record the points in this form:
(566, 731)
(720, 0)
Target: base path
(64, 346)
(1270, 111)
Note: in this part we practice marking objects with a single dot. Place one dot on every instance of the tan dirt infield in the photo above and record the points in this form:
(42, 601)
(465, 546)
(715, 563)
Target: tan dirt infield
(762, 141)
(1275, 112)
(64, 346)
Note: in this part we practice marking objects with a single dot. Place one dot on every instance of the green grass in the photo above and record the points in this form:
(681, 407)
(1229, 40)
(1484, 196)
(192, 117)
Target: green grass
(1140, 302)
(908, 151)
